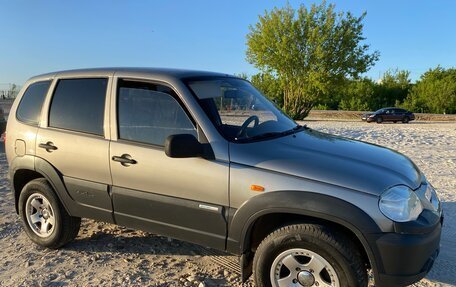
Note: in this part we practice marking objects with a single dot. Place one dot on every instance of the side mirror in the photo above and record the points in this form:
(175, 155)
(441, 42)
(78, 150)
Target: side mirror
(182, 146)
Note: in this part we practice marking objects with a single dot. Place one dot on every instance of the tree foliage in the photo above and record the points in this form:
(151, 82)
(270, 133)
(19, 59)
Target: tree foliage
(357, 95)
(435, 92)
(364, 94)
(269, 86)
(392, 89)
(309, 52)
(360, 94)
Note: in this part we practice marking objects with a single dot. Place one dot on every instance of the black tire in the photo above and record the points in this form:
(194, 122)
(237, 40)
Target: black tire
(405, 120)
(335, 248)
(379, 120)
(394, 121)
(66, 227)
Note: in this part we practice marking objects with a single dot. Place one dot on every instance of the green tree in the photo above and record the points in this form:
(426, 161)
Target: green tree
(310, 51)
(357, 95)
(435, 92)
(269, 86)
(392, 89)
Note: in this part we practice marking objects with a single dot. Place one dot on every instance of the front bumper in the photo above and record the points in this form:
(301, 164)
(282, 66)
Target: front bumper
(403, 259)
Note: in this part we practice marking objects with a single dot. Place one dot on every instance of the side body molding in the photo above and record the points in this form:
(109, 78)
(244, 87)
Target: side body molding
(309, 204)
(56, 179)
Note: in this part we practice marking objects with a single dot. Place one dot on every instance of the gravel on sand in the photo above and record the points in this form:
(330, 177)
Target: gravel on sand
(108, 255)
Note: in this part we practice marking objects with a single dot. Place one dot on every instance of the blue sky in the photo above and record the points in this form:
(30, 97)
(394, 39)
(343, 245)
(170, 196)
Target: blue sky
(42, 36)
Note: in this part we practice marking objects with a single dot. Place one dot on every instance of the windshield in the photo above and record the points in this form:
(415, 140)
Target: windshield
(239, 111)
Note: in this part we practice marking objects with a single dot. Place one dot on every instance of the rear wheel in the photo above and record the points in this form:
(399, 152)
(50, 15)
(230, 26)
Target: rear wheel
(45, 220)
(307, 255)
(405, 120)
(379, 120)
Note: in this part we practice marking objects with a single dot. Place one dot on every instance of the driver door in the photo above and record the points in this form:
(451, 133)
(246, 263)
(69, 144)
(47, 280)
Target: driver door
(184, 198)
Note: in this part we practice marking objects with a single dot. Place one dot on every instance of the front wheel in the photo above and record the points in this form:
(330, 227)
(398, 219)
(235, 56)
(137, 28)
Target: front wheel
(308, 255)
(44, 218)
(405, 120)
(379, 120)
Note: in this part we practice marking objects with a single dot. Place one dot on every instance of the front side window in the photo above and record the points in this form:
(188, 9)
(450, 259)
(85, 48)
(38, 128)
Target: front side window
(238, 110)
(29, 109)
(149, 113)
(78, 105)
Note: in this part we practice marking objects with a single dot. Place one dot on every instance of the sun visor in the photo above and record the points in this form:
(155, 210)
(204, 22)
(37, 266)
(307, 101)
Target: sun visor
(207, 89)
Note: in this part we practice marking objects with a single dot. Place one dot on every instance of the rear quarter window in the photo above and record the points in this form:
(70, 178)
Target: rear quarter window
(29, 109)
(78, 105)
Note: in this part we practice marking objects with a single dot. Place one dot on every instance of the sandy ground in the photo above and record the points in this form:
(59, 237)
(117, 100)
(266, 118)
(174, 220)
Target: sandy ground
(108, 255)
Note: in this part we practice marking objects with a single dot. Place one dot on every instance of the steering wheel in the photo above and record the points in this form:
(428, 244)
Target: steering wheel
(246, 124)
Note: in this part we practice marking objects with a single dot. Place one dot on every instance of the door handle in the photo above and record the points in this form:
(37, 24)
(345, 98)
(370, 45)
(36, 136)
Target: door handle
(49, 146)
(124, 159)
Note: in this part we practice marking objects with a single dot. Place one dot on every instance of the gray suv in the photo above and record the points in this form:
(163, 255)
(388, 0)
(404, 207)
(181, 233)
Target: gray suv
(204, 157)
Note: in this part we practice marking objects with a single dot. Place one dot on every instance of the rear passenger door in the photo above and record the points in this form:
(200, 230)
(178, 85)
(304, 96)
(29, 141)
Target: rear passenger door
(399, 114)
(185, 198)
(73, 138)
(388, 115)
(395, 114)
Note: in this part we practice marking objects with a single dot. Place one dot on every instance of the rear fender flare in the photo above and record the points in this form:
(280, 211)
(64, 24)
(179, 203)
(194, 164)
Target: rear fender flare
(41, 166)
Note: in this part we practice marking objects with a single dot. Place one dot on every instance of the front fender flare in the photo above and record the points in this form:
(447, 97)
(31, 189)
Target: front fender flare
(309, 204)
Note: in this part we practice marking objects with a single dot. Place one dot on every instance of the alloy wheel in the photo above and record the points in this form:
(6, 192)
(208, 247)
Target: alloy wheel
(40, 215)
(302, 267)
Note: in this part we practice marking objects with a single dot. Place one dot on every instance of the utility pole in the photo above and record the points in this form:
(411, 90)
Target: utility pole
(3, 91)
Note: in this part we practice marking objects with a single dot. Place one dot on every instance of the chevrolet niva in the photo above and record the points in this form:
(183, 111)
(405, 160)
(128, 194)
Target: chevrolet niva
(204, 157)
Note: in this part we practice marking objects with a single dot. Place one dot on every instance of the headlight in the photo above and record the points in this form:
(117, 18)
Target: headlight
(400, 204)
(432, 197)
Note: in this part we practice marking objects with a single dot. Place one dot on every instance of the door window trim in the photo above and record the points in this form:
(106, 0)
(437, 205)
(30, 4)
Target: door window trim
(51, 85)
(51, 94)
(115, 118)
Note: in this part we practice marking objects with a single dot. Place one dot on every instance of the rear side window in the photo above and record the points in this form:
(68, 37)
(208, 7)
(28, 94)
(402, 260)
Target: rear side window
(78, 105)
(29, 109)
(149, 113)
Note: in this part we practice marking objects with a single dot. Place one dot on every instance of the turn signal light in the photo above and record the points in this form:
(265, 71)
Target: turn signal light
(255, 187)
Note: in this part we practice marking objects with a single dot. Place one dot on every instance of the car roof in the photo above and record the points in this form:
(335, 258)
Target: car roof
(143, 71)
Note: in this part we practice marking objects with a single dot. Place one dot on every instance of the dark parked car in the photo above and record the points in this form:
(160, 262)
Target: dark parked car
(389, 115)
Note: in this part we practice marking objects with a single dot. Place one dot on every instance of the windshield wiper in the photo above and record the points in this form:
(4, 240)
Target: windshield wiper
(296, 129)
(273, 134)
(260, 136)
(299, 127)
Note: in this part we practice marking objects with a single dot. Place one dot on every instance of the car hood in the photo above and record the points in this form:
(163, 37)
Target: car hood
(330, 159)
